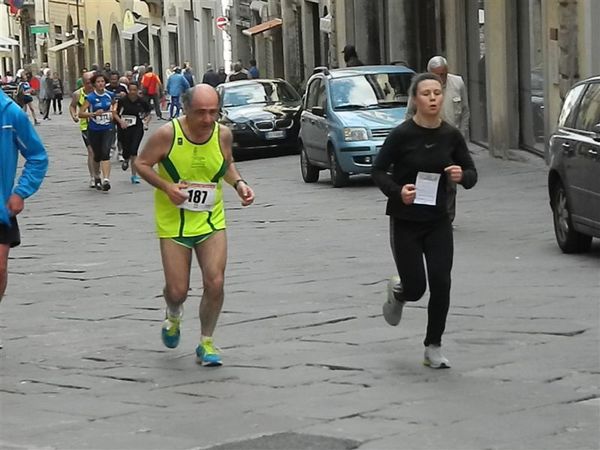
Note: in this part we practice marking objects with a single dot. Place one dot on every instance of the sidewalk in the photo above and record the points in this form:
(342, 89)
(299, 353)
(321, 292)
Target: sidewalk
(305, 348)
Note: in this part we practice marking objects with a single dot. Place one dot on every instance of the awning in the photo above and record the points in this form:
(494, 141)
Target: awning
(262, 27)
(171, 28)
(5, 51)
(134, 29)
(154, 30)
(63, 46)
(7, 42)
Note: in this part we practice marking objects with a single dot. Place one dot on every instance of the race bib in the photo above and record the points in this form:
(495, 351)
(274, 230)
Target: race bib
(201, 196)
(102, 119)
(129, 120)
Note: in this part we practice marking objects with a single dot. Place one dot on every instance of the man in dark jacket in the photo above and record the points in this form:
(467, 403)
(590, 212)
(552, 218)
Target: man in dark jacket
(351, 57)
(210, 76)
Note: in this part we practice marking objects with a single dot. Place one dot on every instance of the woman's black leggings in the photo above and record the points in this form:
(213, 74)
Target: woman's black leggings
(100, 141)
(410, 241)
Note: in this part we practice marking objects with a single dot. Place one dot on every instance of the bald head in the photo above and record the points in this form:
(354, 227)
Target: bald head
(201, 96)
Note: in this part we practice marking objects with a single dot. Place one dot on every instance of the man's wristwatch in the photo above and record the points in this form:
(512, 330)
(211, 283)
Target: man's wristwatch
(235, 185)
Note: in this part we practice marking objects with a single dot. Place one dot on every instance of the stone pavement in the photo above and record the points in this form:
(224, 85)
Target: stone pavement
(309, 362)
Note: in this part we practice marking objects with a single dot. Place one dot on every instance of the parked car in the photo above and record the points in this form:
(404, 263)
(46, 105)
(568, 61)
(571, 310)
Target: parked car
(347, 115)
(574, 177)
(262, 114)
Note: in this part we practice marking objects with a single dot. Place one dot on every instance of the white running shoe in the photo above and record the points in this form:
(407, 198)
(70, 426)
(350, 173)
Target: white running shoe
(392, 308)
(434, 358)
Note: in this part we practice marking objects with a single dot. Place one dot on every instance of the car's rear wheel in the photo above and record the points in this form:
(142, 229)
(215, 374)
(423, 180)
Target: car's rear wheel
(339, 178)
(569, 240)
(310, 173)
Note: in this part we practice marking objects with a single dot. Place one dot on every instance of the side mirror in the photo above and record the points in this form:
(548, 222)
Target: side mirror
(318, 111)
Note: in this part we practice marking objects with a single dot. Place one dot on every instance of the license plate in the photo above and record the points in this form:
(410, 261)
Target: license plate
(275, 134)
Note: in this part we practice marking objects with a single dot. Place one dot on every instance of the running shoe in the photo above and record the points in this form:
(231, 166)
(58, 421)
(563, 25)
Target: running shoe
(207, 354)
(106, 185)
(92, 183)
(170, 332)
(98, 184)
(124, 164)
(434, 358)
(135, 179)
(392, 308)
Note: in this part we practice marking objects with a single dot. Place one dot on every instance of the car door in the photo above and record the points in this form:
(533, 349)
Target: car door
(321, 124)
(586, 161)
(307, 118)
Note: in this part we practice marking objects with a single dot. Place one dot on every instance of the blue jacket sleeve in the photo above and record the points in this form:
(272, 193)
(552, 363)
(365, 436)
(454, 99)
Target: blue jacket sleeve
(36, 158)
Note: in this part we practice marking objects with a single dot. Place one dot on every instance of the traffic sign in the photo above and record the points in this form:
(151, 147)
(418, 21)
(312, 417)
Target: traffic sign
(222, 22)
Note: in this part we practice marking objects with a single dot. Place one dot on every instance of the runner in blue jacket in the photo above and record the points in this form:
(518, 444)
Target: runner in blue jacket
(17, 135)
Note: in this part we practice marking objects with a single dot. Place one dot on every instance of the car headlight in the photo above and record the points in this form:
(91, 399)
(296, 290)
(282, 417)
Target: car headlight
(355, 134)
(234, 126)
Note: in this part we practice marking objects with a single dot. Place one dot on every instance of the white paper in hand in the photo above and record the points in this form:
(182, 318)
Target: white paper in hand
(427, 186)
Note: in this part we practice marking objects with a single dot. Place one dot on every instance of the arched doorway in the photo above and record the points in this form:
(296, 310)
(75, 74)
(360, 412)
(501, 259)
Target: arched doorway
(100, 45)
(68, 69)
(115, 49)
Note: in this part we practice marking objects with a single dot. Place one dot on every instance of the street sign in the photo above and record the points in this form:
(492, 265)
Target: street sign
(39, 29)
(222, 22)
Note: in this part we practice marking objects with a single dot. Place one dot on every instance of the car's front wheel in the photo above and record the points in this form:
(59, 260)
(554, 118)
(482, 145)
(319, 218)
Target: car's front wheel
(569, 240)
(310, 173)
(339, 178)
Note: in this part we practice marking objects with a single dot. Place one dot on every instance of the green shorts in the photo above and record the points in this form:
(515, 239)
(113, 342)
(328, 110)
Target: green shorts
(192, 241)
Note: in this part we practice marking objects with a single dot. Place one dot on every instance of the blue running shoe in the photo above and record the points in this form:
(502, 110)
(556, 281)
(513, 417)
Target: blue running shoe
(207, 354)
(170, 332)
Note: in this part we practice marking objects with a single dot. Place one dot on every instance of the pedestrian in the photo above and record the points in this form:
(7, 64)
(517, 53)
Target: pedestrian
(25, 95)
(422, 153)
(210, 76)
(176, 86)
(107, 71)
(351, 57)
(151, 87)
(222, 75)
(17, 137)
(253, 70)
(97, 107)
(238, 73)
(57, 93)
(190, 215)
(45, 94)
(132, 115)
(455, 111)
(77, 101)
(188, 73)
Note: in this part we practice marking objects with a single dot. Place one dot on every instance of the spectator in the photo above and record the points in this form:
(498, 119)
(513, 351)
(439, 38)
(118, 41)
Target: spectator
(152, 90)
(57, 93)
(188, 73)
(176, 86)
(46, 86)
(222, 75)
(253, 70)
(238, 73)
(210, 76)
(351, 57)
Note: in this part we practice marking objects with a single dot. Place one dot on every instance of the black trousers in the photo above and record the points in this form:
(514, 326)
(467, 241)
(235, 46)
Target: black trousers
(410, 242)
(100, 142)
(130, 139)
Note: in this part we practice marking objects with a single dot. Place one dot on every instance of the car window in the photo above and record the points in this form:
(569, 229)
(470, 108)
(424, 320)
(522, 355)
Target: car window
(321, 96)
(589, 108)
(370, 91)
(259, 92)
(567, 114)
(313, 91)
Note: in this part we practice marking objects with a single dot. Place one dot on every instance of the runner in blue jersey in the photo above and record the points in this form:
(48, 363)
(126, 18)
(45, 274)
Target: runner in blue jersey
(98, 107)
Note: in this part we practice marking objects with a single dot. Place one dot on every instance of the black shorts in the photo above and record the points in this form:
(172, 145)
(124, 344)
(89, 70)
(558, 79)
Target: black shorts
(10, 234)
(86, 141)
(130, 138)
(101, 142)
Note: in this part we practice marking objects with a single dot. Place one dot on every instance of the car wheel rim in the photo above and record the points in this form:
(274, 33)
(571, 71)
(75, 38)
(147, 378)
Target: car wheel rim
(562, 215)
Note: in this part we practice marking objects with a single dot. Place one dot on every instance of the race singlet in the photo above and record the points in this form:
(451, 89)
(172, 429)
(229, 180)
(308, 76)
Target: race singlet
(102, 119)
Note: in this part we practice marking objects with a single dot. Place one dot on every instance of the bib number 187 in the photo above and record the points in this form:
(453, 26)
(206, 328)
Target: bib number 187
(201, 197)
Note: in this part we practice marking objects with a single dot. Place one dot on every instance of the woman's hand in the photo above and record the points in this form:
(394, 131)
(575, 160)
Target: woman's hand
(408, 194)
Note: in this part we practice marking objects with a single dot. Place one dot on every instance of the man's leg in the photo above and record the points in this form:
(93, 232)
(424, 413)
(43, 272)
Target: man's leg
(176, 260)
(212, 257)
(4, 249)
(156, 100)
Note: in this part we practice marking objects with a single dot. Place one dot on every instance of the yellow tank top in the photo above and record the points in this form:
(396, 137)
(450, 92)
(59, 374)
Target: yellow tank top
(195, 163)
(83, 123)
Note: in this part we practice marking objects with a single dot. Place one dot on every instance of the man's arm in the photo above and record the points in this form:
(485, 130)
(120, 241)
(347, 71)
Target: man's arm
(36, 158)
(232, 176)
(465, 113)
(155, 150)
(73, 106)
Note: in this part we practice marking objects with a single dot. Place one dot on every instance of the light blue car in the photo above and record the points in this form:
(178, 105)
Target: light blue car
(347, 115)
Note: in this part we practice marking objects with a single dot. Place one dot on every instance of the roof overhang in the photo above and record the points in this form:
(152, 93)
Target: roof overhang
(134, 29)
(8, 42)
(63, 46)
(262, 27)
